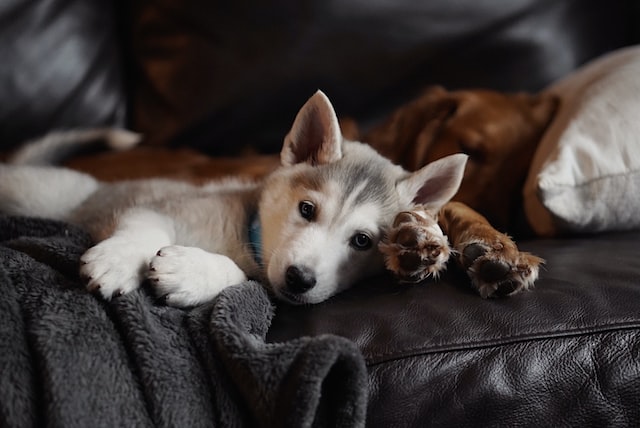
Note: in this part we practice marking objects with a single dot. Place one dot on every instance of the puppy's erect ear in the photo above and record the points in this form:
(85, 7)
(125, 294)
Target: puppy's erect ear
(434, 184)
(315, 136)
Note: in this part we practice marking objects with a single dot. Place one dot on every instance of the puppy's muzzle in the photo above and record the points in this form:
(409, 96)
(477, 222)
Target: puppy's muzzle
(299, 279)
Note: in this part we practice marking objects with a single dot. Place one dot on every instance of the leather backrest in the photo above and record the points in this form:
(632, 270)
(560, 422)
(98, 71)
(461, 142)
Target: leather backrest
(59, 67)
(234, 73)
(224, 76)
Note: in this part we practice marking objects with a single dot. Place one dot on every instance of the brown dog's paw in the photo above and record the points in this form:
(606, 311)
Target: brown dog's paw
(498, 269)
(415, 247)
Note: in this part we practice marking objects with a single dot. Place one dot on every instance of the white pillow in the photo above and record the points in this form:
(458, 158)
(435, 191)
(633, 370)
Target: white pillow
(585, 174)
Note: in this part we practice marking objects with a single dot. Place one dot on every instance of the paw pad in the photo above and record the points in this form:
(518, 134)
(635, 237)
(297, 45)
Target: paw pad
(506, 288)
(493, 270)
(471, 253)
(498, 269)
(415, 247)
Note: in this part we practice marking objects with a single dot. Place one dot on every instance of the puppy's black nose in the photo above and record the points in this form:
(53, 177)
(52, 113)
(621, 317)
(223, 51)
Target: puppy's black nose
(299, 279)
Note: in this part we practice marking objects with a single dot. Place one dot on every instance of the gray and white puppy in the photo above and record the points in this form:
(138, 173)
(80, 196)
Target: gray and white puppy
(309, 230)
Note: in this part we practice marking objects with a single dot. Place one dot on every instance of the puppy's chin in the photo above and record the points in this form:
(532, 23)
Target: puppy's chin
(297, 299)
(311, 297)
(293, 299)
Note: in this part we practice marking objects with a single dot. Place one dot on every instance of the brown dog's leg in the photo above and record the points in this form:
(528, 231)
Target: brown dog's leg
(490, 258)
(416, 247)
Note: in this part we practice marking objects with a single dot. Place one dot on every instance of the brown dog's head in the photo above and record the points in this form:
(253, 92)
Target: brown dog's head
(498, 131)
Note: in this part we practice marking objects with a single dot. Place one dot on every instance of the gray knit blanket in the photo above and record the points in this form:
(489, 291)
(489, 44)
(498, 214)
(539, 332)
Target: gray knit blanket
(70, 359)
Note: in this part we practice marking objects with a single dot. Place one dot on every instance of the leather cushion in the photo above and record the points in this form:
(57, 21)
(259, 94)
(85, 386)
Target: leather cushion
(60, 68)
(567, 350)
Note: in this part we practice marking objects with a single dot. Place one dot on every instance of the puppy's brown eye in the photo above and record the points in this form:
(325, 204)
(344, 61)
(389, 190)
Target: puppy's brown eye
(307, 210)
(361, 241)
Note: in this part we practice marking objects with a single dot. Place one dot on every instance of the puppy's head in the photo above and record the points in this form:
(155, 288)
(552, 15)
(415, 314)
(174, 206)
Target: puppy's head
(325, 210)
(498, 131)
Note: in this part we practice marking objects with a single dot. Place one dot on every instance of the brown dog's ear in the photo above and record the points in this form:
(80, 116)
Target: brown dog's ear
(543, 108)
(315, 136)
(434, 184)
(437, 114)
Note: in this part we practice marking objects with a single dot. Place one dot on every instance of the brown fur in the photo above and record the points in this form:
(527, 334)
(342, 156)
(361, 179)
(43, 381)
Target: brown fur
(181, 164)
(499, 132)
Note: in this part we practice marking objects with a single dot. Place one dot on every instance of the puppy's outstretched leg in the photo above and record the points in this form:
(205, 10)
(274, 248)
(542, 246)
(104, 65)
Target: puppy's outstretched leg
(186, 276)
(490, 258)
(415, 247)
(119, 264)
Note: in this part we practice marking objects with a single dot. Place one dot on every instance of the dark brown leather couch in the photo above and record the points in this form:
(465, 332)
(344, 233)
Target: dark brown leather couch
(224, 77)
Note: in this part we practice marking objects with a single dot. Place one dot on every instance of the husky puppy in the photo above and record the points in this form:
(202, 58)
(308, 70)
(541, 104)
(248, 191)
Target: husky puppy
(309, 230)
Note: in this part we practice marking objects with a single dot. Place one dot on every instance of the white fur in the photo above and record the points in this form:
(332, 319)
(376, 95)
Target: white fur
(324, 245)
(53, 192)
(118, 264)
(186, 276)
(47, 149)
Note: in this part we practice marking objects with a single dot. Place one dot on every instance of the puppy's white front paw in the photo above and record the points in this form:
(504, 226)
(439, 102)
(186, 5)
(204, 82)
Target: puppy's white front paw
(114, 267)
(187, 276)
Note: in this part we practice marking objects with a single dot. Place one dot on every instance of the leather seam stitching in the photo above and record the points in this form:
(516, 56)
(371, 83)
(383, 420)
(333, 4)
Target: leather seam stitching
(381, 358)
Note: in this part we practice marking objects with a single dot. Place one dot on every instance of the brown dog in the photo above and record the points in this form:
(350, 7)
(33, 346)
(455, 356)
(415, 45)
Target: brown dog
(499, 132)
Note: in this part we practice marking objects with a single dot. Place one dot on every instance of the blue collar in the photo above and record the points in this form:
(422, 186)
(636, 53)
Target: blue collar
(255, 238)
